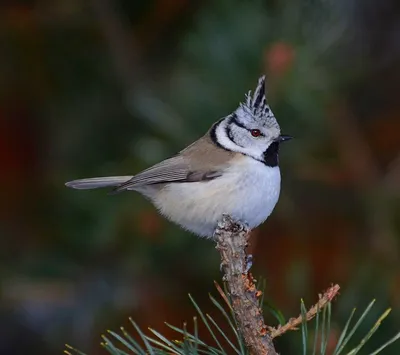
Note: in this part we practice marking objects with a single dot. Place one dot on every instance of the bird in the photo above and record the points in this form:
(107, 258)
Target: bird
(233, 169)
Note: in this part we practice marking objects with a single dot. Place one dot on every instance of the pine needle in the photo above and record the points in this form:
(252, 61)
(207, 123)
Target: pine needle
(304, 330)
(124, 342)
(345, 341)
(110, 346)
(74, 350)
(370, 333)
(223, 334)
(202, 316)
(316, 331)
(344, 332)
(389, 342)
(323, 331)
(222, 310)
(133, 342)
(145, 341)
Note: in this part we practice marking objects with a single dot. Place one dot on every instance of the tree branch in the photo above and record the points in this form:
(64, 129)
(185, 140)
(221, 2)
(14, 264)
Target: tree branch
(293, 323)
(232, 240)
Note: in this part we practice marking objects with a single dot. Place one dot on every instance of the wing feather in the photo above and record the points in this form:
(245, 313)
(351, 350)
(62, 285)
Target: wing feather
(169, 170)
(175, 169)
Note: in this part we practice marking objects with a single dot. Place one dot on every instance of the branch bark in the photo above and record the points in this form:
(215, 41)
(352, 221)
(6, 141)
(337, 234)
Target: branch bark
(232, 240)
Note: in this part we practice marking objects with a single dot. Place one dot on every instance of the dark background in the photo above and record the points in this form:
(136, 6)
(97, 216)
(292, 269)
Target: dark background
(102, 87)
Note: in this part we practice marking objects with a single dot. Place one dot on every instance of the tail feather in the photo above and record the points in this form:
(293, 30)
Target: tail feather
(95, 183)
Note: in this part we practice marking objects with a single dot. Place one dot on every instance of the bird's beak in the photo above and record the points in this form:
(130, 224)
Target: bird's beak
(283, 138)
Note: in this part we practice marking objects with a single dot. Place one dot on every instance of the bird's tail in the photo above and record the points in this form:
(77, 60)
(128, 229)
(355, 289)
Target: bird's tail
(95, 183)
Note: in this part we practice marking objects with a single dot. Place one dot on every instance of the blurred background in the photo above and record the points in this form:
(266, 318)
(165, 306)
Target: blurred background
(103, 87)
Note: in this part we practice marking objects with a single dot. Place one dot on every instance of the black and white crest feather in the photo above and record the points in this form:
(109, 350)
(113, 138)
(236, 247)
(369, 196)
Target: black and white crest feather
(256, 105)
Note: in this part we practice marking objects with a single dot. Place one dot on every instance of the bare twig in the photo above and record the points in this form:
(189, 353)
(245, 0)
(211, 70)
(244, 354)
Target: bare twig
(293, 323)
(232, 239)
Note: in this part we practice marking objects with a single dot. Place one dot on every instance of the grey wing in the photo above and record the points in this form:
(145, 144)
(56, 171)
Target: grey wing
(175, 169)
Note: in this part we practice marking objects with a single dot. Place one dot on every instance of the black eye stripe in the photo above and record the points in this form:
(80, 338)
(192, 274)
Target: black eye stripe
(213, 133)
(235, 121)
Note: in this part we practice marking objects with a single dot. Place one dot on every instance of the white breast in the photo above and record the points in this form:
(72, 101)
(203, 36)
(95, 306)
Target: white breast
(248, 191)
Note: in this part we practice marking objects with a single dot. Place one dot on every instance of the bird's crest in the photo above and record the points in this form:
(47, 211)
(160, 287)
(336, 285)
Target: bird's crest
(256, 105)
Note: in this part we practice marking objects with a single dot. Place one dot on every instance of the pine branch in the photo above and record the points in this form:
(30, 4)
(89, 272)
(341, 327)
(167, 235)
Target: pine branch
(248, 325)
(232, 240)
(293, 323)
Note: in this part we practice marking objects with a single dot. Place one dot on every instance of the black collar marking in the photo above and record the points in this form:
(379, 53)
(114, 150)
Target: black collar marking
(213, 134)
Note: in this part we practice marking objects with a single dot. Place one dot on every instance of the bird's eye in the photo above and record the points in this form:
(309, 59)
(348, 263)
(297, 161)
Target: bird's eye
(255, 132)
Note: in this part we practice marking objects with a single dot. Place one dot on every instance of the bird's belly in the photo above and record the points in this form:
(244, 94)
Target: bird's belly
(247, 193)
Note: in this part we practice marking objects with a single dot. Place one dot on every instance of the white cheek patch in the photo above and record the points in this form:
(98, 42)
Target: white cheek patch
(223, 139)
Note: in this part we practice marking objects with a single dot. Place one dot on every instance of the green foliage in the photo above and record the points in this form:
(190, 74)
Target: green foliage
(189, 344)
(224, 343)
(321, 335)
